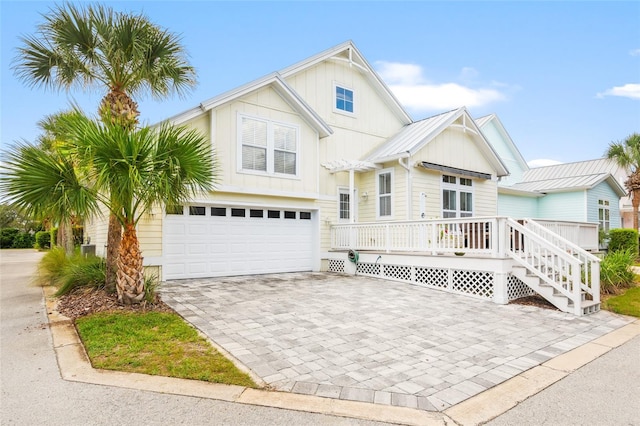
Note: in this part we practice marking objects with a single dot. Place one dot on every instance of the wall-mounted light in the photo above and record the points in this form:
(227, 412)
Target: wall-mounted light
(365, 196)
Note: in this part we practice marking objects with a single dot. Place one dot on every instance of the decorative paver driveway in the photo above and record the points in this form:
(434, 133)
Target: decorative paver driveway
(372, 340)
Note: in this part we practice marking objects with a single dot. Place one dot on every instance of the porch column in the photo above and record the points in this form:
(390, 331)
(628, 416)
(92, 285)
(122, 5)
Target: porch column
(352, 196)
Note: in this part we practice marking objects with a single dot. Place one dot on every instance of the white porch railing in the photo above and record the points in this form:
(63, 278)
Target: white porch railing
(468, 235)
(556, 261)
(583, 234)
(589, 265)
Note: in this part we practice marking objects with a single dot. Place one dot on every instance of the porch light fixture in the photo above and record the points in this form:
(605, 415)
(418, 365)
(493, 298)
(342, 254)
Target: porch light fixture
(365, 196)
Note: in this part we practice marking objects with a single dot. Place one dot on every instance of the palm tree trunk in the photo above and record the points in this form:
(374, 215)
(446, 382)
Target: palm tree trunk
(114, 234)
(635, 202)
(130, 283)
(65, 237)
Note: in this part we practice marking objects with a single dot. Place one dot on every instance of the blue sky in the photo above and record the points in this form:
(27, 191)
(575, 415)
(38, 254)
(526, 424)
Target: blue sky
(563, 77)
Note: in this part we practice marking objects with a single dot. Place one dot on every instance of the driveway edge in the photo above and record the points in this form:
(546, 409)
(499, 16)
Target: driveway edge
(74, 365)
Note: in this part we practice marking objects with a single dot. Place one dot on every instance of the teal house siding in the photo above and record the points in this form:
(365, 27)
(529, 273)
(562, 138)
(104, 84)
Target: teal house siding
(569, 206)
(603, 191)
(517, 207)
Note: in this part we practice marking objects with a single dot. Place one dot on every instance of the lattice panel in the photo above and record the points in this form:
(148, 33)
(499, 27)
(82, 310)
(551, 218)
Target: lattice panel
(475, 283)
(433, 277)
(517, 289)
(336, 265)
(368, 268)
(398, 272)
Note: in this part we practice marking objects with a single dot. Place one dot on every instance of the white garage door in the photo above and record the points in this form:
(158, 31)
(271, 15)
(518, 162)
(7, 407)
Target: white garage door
(210, 241)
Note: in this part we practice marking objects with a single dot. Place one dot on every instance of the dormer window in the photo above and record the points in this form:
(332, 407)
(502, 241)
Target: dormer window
(343, 99)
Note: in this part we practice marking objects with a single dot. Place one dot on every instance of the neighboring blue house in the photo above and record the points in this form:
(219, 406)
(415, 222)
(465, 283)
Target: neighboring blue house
(585, 191)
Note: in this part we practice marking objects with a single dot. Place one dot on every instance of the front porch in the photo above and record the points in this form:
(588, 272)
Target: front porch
(493, 258)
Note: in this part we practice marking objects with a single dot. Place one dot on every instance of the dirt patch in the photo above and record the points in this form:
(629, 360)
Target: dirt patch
(85, 301)
(535, 300)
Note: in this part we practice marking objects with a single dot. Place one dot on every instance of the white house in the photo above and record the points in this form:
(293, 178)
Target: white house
(320, 158)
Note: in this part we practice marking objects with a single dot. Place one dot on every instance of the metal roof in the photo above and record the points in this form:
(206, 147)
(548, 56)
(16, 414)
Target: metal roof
(580, 168)
(569, 183)
(412, 137)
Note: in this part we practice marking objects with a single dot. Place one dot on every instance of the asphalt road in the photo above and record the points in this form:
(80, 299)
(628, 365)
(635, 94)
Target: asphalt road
(32, 392)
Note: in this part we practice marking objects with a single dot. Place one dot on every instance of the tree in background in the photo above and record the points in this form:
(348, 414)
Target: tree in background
(125, 54)
(627, 154)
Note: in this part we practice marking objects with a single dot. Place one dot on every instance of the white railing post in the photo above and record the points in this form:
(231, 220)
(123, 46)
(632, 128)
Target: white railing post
(576, 279)
(499, 241)
(387, 238)
(595, 281)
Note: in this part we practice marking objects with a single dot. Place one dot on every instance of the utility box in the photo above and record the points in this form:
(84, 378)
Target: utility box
(88, 250)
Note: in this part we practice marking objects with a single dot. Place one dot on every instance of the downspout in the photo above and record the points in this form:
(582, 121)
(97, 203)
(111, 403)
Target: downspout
(405, 165)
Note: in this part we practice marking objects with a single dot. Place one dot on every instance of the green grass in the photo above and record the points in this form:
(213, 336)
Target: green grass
(627, 303)
(155, 343)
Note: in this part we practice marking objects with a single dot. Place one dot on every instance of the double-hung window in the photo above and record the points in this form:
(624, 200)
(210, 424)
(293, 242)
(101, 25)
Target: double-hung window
(344, 101)
(457, 196)
(604, 215)
(385, 193)
(267, 146)
(344, 204)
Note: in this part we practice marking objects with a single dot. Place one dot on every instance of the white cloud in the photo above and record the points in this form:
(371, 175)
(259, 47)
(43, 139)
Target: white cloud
(415, 92)
(630, 90)
(541, 162)
(634, 52)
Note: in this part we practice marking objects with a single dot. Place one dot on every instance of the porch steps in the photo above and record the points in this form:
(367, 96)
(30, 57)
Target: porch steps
(553, 296)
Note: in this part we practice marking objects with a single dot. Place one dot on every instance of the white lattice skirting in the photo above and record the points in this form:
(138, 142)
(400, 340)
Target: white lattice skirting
(478, 284)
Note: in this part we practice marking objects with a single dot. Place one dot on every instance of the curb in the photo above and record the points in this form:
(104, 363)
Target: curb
(74, 365)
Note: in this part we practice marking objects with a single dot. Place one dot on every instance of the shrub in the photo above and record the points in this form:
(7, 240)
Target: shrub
(151, 284)
(78, 235)
(615, 271)
(51, 266)
(23, 240)
(7, 235)
(43, 240)
(623, 239)
(82, 271)
(53, 232)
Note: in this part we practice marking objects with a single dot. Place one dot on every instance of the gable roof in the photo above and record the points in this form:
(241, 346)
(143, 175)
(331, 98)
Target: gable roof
(493, 118)
(410, 139)
(349, 53)
(276, 82)
(346, 51)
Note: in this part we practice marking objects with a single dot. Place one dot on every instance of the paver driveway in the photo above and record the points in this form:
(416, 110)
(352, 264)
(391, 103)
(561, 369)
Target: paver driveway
(372, 340)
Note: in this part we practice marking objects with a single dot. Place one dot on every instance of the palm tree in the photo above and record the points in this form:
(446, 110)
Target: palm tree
(627, 154)
(141, 168)
(95, 46)
(45, 183)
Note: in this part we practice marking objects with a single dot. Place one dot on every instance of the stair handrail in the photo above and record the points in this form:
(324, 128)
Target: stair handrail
(591, 263)
(565, 268)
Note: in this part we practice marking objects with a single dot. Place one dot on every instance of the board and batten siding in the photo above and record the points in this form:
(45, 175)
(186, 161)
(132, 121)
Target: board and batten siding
(505, 152)
(265, 104)
(603, 191)
(569, 206)
(371, 114)
(517, 207)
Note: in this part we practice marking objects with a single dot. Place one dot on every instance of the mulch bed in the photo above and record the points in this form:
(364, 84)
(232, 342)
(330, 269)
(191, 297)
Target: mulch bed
(86, 301)
(537, 301)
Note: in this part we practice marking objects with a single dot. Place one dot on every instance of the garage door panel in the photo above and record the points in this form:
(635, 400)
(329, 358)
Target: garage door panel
(201, 246)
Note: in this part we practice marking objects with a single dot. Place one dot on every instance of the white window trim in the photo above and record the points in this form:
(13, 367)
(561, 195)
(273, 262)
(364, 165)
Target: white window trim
(392, 195)
(604, 205)
(345, 190)
(458, 188)
(270, 147)
(341, 111)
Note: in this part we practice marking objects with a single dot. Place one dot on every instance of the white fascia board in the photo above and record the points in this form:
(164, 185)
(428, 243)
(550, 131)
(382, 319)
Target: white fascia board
(520, 192)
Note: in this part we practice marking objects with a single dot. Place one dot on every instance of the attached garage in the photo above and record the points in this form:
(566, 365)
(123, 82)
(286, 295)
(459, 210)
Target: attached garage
(210, 241)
